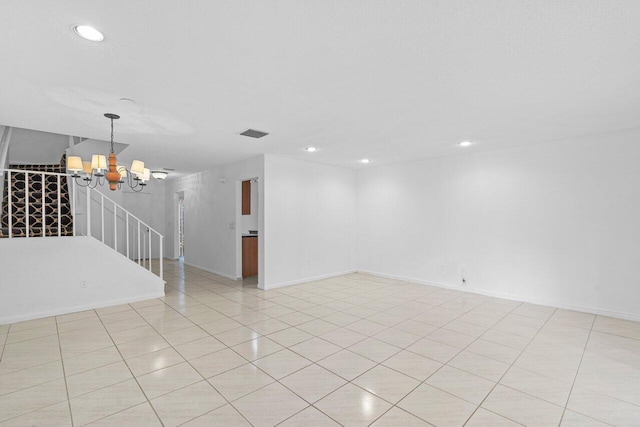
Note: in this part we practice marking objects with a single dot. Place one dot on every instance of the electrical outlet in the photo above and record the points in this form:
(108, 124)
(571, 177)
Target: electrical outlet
(464, 282)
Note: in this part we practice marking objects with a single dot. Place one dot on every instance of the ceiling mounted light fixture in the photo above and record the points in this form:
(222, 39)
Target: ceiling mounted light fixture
(159, 174)
(466, 143)
(87, 32)
(311, 149)
(97, 171)
(365, 161)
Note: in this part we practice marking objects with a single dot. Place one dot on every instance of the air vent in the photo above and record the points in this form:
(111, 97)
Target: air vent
(252, 133)
(168, 169)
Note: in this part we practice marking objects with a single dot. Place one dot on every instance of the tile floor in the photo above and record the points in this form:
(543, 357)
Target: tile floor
(351, 350)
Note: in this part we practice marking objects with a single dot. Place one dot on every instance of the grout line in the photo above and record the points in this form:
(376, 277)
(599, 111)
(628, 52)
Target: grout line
(575, 377)
(64, 374)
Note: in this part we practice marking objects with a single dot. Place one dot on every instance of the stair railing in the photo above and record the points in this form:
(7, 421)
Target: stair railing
(137, 236)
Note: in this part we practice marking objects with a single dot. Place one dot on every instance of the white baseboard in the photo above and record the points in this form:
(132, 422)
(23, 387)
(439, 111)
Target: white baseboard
(208, 270)
(67, 310)
(308, 279)
(538, 301)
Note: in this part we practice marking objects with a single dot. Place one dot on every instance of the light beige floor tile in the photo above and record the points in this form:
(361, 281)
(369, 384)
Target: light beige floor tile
(397, 337)
(313, 382)
(537, 385)
(225, 416)
(386, 383)
(375, 350)
(153, 361)
(437, 407)
(282, 363)
(352, 406)
(309, 417)
(88, 381)
(218, 362)
(257, 348)
(166, 380)
(79, 315)
(347, 364)
(32, 399)
(106, 401)
(240, 381)
(481, 366)
(289, 337)
(30, 353)
(57, 415)
(434, 350)
(317, 327)
(185, 335)
(138, 416)
(494, 351)
(237, 336)
(134, 334)
(25, 378)
(142, 346)
(74, 325)
(397, 417)
(295, 318)
(601, 381)
(573, 419)
(220, 325)
(85, 362)
(452, 338)
(199, 348)
(340, 319)
(461, 384)
(343, 337)
(603, 408)
(31, 333)
(269, 405)
(367, 327)
(315, 349)
(412, 364)
(32, 324)
(549, 366)
(522, 408)
(268, 326)
(484, 418)
(206, 317)
(187, 403)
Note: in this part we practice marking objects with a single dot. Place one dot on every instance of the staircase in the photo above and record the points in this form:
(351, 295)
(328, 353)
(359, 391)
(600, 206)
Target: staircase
(31, 203)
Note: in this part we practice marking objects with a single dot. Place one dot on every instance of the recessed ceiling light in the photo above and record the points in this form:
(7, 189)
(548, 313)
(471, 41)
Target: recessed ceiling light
(311, 149)
(159, 174)
(88, 33)
(466, 143)
(365, 161)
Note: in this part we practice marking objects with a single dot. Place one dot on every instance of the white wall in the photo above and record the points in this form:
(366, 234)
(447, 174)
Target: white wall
(37, 278)
(554, 223)
(310, 221)
(212, 220)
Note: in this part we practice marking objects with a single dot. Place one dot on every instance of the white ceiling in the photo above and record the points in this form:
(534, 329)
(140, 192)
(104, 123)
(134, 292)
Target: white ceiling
(385, 79)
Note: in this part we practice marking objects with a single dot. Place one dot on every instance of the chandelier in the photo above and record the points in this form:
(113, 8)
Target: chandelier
(97, 171)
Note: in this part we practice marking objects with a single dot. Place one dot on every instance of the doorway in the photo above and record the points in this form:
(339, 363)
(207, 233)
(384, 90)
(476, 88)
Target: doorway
(181, 228)
(248, 230)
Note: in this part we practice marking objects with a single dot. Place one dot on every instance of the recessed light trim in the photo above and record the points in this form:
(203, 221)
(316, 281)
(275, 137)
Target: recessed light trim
(311, 149)
(365, 161)
(159, 174)
(87, 32)
(466, 143)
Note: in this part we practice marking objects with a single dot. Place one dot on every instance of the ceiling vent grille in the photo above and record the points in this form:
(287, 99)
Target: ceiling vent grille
(252, 133)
